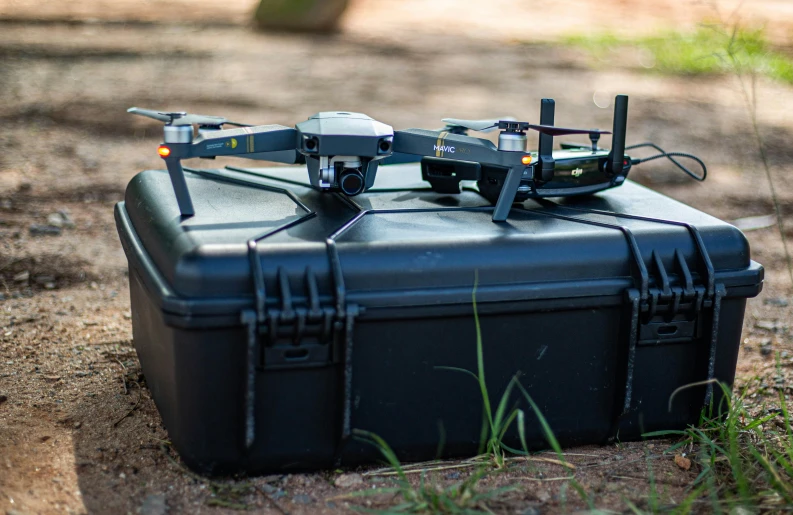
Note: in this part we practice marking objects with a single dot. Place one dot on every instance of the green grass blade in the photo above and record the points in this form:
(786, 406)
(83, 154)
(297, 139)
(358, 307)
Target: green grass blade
(677, 446)
(759, 421)
(554, 443)
(385, 450)
(773, 475)
(512, 450)
(546, 428)
(670, 432)
(458, 369)
(522, 430)
(788, 445)
(502, 408)
(480, 358)
(684, 508)
(632, 507)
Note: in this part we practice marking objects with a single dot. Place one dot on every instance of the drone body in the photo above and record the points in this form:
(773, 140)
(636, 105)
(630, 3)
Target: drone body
(343, 150)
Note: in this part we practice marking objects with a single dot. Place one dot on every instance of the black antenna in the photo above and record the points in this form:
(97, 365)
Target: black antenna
(545, 148)
(617, 156)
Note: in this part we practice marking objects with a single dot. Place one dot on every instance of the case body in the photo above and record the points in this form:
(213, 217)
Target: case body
(278, 319)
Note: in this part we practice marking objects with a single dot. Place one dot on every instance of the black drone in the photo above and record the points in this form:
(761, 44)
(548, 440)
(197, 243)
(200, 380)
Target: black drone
(343, 150)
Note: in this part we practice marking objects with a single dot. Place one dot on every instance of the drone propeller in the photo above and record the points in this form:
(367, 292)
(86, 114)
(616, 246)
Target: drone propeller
(181, 118)
(552, 130)
(489, 125)
(475, 125)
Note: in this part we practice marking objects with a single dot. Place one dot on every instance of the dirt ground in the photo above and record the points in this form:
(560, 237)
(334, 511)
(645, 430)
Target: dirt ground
(79, 431)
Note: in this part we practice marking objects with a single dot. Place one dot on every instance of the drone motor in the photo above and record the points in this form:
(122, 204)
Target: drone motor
(513, 136)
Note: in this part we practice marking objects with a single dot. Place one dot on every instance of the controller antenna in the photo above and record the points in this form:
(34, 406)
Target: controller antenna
(545, 147)
(617, 156)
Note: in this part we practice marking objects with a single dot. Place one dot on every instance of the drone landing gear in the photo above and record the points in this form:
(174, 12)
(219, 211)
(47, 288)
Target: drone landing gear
(508, 193)
(176, 172)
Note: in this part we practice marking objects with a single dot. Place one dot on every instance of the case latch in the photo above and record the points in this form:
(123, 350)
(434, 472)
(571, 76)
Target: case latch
(309, 335)
(670, 314)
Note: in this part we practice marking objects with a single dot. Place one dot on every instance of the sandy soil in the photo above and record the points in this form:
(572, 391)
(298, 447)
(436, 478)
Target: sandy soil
(78, 429)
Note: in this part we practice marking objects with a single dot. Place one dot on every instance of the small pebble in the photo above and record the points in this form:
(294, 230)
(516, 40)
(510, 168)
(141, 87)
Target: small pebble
(269, 489)
(44, 230)
(153, 504)
(302, 499)
(453, 475)
(766, 351)
(531, 510)
(768, 325)
(348, 480)
(43, 279)
(682, 462)
(55, 220)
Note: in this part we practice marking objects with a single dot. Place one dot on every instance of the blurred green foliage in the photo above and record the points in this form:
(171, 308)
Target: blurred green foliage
(705, 51)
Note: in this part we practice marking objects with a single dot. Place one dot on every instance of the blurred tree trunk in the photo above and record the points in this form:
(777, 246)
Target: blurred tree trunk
(300, 15)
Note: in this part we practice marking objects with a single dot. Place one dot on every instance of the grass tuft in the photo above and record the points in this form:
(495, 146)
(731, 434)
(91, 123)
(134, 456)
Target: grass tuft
(495, 425)
(426, 496)
(745, 460)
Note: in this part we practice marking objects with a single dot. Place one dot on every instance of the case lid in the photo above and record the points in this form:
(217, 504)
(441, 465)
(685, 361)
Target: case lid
(401, 244)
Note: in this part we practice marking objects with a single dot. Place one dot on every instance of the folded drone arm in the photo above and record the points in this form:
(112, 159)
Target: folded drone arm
(242, 141)
(459, 147)
(272, 142)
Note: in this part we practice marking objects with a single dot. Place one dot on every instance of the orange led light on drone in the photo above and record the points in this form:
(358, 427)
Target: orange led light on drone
(526, 160)
(164, 151)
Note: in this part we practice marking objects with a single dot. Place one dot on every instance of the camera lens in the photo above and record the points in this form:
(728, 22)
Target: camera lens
(351, 181)
(310, 144)
(385, 146)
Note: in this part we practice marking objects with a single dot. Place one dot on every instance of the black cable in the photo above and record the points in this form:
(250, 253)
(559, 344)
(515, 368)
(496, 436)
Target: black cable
(671, 156)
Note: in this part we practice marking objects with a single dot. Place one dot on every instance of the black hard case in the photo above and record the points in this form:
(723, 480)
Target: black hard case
(279, 318)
